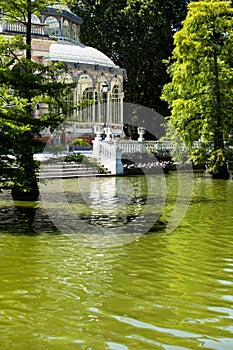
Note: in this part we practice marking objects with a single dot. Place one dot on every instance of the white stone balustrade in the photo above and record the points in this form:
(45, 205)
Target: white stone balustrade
(97, 142)
(16, 27)
(109, 151)
(141, 132)
(108, 133)
(110, 156)
(128, 146)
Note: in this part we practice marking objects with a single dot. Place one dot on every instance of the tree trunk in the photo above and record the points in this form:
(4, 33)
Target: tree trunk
(29, 195)
(25, 187)
(222, 173)
(28, 29)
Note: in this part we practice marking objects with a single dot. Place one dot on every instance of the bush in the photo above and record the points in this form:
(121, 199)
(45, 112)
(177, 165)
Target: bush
(77, 158)
(80, 142)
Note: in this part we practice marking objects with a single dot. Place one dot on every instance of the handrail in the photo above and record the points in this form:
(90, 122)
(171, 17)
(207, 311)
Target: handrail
(109, 153)
(16, 27)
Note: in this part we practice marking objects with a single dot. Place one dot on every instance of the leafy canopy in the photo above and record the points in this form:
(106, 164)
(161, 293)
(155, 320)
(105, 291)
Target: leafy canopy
(137, 35)
(200, 94)
(25, 87)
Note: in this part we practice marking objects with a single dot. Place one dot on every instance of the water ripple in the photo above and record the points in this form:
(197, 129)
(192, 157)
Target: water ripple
(162, 291)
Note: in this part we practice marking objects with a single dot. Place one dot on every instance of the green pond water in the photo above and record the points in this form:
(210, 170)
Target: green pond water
(103, 282)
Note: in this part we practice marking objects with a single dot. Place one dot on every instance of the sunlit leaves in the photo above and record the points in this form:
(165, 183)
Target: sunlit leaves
(200, 94)
(137, 35)
(24, 85)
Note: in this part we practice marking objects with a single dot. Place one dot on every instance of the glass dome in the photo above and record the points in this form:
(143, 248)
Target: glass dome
(79, 54)
(60, 7)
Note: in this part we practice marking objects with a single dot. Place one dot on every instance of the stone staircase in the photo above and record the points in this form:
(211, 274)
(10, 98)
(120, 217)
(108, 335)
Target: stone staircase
(68, 170)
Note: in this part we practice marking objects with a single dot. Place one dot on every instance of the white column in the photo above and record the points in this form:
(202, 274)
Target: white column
(141, 132)
(121, 108)
(108, 132)
(119, 165)
(93, 107)
(109, 108)
(97, 142)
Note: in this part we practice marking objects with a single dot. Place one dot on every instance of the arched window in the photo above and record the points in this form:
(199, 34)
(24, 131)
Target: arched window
(74, 32)
(69, 98)
(35, 19)
(115, 90)
(88, 94)
(66, 29)
(85, 99)
(87, 103)
(84, 82)
(115, 105)
(53, 28)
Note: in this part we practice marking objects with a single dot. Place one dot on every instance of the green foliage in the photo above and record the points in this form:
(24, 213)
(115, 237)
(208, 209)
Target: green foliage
(22, 11)
(76, 157)
(137, 35)
(200, 94)
(25, 85)
(80, 142)
(18, 9)
(80, 158)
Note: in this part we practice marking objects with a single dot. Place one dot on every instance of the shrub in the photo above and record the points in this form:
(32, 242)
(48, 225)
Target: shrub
(77, 158)
(80, 142)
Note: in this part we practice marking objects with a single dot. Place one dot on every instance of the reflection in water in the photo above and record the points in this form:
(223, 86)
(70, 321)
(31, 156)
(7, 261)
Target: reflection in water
(18, 219)
(104, 208)
(113, 203)
(113, 209)
(164, 291)
(24, 218)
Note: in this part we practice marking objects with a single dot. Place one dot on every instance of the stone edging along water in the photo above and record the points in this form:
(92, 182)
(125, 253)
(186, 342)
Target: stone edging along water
(51, 167)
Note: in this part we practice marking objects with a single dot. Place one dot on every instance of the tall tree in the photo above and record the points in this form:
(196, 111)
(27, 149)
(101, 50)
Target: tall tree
(137, 35)
(25, 84)
(200, 94)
